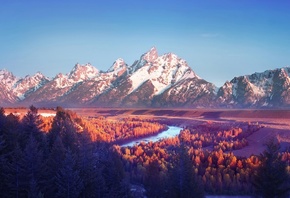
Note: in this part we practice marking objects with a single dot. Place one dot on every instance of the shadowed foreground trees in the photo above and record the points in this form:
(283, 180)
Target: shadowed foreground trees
(183, 179)
(272, 179)
(68, 165)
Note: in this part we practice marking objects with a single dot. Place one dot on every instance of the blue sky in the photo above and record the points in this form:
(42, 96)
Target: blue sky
(219, 39)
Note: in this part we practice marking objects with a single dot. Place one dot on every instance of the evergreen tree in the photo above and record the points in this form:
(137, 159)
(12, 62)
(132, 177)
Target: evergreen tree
(183, 181)
(3, 163)
(63, 126)
(153, 182)
(14, 176)
(10, 131)
(111, 167)
(2, 118)
(271, 178)
(53, 164)
(31, 125)
(68, 180)
(32, 166)
(87, 166)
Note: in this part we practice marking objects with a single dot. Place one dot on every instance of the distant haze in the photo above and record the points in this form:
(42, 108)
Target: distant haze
(218, 39)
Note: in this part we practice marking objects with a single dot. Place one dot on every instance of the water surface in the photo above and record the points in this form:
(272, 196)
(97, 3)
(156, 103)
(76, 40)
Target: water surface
(172, 131)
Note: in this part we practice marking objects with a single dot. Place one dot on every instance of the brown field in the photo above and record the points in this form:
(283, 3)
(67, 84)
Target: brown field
(276, 122)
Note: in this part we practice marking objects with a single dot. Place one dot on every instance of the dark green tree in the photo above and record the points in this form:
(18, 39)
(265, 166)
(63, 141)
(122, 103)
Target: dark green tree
(92, 177)
(68, 181)
(14, 176)
(10, 131)
(112, 172)
(53, 164)
(3, 163)
(272, 179)
(31, 126)
(153, 180)
(32, 167)
(63, 126)
(183, 180)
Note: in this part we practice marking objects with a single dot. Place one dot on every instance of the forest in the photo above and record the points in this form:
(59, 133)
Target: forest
(72, 156)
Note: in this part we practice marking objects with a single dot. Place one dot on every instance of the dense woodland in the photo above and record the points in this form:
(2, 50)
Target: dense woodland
(70, 156)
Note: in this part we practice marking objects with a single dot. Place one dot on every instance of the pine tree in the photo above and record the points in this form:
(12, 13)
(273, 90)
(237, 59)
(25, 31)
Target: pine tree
(153, 182)
(110, 166)
(68, 180)
(3, 162)
(31, 125)
(184, 182)
(2, 118)
(14, 176)
(63, 127)
(272, 179)
(53, 164)
(10, 131)
(32, 165)
(87, 166)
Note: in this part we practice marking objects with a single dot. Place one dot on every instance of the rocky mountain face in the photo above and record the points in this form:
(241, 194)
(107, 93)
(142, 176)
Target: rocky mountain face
(267, 89)
(151, 81)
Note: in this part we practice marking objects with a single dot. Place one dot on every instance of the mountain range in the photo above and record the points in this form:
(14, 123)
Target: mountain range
(151, 81)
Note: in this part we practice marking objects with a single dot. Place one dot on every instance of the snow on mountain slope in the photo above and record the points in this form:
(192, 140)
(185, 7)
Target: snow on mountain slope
(163, 71)
(82, 72)
(267, 88)
(29, 84)
(148, 78)
(63, 84)
(88, 90)
(16, 88)
(153, 80)
(7, 97)
(8, 79)
(117, 66)
(190, 92)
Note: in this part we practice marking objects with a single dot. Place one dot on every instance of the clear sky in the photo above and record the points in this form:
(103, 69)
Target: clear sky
(219, 39)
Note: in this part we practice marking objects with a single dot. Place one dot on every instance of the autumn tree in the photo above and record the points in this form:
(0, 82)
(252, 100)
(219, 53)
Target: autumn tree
(271, 178)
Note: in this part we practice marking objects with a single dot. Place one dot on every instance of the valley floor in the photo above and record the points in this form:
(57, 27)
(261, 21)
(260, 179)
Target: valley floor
(276, 123)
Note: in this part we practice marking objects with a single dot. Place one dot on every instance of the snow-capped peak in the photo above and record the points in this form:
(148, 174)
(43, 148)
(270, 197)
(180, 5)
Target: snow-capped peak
(29, 84)
(151, 55)
(83, 72)
(117, 65)
(163, 71)
(7, 78)
(39, 75)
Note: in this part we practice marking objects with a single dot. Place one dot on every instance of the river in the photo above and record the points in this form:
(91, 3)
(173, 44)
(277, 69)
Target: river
(170, 132)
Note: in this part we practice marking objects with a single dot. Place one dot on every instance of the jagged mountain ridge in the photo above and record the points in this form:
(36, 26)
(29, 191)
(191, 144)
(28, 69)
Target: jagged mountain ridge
(267, 89)
(151, 81)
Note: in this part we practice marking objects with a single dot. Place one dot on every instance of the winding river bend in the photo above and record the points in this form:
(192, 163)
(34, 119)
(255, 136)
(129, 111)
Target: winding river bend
(170, 132)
